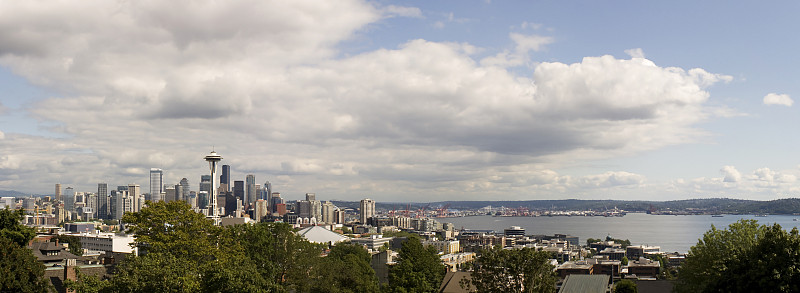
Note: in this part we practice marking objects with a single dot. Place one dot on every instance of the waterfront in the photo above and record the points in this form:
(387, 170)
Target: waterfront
(672, 233)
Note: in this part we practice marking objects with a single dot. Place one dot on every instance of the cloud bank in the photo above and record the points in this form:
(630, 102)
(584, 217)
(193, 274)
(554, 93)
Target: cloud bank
(156, 84)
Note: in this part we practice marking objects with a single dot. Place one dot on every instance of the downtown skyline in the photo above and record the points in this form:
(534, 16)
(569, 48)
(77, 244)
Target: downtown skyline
(404, 100)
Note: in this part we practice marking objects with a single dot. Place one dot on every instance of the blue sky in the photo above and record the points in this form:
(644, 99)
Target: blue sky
(406, 100)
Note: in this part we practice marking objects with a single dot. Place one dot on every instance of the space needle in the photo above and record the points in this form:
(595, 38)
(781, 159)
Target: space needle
(212, 160)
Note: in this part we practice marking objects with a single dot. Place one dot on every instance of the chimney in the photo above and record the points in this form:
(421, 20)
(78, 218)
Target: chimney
(69, 270)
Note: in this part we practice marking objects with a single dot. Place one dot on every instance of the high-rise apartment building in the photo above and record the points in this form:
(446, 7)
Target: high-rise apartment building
(250, 189)
(367, 209)
(329, 213)
(156, 183)
(259, 210)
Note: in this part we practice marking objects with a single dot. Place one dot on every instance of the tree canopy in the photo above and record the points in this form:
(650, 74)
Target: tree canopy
(418, 269)
(512, 270)
(745, 257)
(12, 229)
(345, 269)
(19, 269)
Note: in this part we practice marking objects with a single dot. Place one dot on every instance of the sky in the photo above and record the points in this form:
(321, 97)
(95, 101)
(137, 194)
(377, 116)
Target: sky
(406, 100)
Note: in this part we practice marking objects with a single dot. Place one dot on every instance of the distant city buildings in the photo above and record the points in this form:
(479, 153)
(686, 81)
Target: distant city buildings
(156, 183)
(367, 209)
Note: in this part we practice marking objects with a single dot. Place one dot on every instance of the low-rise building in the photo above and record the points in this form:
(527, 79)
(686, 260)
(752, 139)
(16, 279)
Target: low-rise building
(444, 246)
(644, 267)
(575, 267)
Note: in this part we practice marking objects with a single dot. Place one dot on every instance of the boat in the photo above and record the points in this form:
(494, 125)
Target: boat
(716, 216)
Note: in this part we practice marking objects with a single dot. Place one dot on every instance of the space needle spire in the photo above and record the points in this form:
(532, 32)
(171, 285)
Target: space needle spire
(212, 160)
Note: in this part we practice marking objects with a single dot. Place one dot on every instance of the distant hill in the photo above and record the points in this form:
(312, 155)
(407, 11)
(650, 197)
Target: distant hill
(13, 193)
(706, 205)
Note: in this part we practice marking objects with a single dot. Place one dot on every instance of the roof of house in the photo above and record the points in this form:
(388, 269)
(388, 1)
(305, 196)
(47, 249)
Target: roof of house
(39, 250)
(318, 234)
(585, 284)
(452, 282)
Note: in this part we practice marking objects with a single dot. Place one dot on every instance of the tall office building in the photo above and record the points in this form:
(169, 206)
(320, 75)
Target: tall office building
(69, 199)
(225, 178)
(156, 183)
(58, 192)
(267, 190)
(170, 193)
(238, 189)
(250, 189)
(367, 209)
(102, 201)
(205, 183)
(275, 200)
(134, 191)
(184, 189)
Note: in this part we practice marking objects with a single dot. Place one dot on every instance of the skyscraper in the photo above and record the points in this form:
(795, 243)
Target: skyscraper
(367, 209)
(134, 191)
(184, 189)
(69, 199)
(250, 189)
(238, 190)
(156, 183)
(58, 192)
(102, 201)
(268, 192)
(226, 177)
(329, 213)
(205, 183)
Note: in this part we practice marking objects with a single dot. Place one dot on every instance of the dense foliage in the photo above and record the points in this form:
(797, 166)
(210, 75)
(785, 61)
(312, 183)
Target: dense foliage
(19, 269)
(185, 252)
(12, 229)
(418, 269)
(625, 286)
(746, 257)
(73, 242)
(512, 270)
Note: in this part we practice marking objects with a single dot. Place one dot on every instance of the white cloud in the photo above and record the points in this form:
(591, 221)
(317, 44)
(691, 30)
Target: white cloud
(635, 53)
(393, 10)
(520, 55)
(778, 99)
(146, 84)
(730, 174)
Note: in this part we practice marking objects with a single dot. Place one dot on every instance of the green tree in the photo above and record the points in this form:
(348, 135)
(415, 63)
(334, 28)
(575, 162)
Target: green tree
(771, 265)
(279, 255)
(173, 228)
(74, 243)
(624, 261)
(593, 240)
(185, 253)
(86, 284)
(12, 229)
(710, 258)
(19, 269)
(512, 270)
(345, 269)
(625, 286)
(418, 269)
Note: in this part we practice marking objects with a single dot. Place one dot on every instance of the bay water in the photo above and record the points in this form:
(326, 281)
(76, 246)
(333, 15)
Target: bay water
(671, 233)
